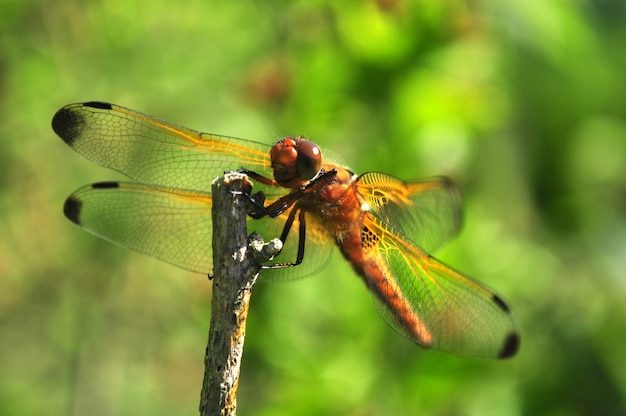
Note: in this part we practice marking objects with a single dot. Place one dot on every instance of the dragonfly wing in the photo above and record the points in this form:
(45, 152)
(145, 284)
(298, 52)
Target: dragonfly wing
(428, 211)
(153, 151)
(431, 303)
(174, 226)
(171, 225)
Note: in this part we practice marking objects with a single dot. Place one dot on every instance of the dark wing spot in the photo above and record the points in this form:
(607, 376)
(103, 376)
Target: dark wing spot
(71, 209)
(105, 185)
(68, 124)
(502, 304)
(511, 345)
(98, 104)
(368, 238)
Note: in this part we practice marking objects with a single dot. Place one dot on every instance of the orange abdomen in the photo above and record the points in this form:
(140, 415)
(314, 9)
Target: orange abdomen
(359, 248)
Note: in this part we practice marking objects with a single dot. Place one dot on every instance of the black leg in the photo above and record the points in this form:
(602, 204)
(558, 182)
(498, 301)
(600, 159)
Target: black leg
(301, 239)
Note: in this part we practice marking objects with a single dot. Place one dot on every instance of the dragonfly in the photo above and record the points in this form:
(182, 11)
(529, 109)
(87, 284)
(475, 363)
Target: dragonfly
(384, 227)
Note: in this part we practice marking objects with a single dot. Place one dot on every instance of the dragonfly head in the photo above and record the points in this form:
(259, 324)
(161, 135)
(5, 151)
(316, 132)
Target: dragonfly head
(295, 161)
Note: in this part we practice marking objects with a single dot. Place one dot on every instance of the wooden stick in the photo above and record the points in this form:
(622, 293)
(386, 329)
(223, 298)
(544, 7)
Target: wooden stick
(235, 269)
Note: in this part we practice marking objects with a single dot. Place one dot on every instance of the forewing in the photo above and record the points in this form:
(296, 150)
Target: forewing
(153, 151)
(428, 211)
(435, 305)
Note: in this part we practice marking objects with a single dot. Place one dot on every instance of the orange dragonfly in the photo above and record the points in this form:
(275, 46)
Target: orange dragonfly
(383, 226)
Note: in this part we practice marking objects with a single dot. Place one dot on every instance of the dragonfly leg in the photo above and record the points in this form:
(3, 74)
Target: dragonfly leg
(301, 238)
(259, 178)
(256, 207)
(259, 210)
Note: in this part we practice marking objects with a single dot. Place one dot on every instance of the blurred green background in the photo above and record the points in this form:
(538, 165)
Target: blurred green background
(522, 102)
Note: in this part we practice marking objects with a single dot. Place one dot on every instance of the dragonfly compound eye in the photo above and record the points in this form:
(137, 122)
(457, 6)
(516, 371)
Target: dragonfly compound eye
(309, 160)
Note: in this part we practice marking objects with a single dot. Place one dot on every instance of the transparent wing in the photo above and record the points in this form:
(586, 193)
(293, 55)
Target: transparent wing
(171, 225)
(431, 303)
(153, 151)
(174, 226)
(428, 211)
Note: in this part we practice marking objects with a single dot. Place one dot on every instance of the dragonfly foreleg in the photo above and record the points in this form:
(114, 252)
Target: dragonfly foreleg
(258, 177)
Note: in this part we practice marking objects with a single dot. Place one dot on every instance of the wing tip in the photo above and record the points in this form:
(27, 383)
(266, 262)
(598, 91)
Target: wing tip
(511, 345)
(72, 209)
(512, 341)
(66, 124)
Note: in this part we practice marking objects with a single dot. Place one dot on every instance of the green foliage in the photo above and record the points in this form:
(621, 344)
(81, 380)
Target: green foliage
(523, 103)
